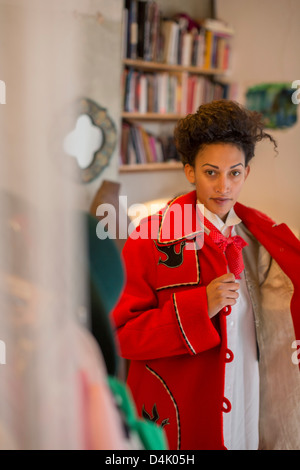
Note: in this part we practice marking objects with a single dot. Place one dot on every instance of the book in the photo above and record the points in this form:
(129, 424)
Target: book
(124, 33)
(221, 54)
(187, 48)
(150, 93)
(154, 26)
(198, 93)
(184, 93)
(190, 93)
(173, 85)
(143, 94)
(162, 92)
(131, 155)
(140, 144)
(200, 49)
(143, 26)
(153, 147)
(132, 28)
(146, 143)
(135, 145)
(217, 26)
(171, 38)
(127, 79)
(213, 58)
(133, 91)
(131, 152)
(208, 49)
(124, 143)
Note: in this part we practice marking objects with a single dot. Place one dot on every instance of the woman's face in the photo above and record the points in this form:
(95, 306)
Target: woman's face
(219, 175)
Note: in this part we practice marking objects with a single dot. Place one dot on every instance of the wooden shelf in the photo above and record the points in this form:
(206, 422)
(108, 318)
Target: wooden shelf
(151, 167)
(151, 116)
(158, 66)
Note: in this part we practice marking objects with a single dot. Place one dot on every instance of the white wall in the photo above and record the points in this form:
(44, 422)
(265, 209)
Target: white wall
(99, 67)
(195, 8)
(147, 186)
(53, 53)
(265, 50)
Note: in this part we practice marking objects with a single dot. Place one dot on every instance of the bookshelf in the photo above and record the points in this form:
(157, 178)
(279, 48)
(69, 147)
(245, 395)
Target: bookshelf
(136, 116)
(157, 66)
(165, 166)
(171, 65)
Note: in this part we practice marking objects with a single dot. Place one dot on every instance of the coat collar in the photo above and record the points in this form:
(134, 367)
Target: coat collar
(180, 220)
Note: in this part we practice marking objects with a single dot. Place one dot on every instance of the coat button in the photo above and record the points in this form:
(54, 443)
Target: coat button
(226, 310)
(229, 356)
(226, 407)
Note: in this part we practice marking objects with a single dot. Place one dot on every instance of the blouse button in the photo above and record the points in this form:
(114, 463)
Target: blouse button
(226, 407)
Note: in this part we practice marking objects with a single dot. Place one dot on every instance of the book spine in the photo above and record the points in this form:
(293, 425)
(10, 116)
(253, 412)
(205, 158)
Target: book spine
(132, 29)
(208, 49)
(143, 20)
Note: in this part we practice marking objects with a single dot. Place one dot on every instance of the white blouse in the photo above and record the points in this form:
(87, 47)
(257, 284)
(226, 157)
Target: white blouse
(240, 425)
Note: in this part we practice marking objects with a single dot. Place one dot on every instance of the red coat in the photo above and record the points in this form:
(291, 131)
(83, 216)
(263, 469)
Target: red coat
(178, 354)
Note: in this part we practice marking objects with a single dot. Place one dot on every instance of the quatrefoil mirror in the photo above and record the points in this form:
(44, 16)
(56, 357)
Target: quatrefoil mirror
(91, 141)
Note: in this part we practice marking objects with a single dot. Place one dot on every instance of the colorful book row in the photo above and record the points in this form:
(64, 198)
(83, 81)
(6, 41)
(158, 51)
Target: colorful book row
(167, 93)
(139, 146)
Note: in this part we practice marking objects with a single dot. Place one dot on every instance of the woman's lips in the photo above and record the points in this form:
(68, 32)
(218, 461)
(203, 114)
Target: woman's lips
(221, 200)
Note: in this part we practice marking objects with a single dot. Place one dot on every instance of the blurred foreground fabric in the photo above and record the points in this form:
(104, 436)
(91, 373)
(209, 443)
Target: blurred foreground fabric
(54, 382)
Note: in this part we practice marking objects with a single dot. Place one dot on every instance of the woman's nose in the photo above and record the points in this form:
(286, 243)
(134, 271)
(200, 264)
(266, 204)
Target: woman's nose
(222, 186)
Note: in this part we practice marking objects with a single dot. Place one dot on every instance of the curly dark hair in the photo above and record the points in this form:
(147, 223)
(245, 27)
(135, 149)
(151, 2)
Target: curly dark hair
(221, 121)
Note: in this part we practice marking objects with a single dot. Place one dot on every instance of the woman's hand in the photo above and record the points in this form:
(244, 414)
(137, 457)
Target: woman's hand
(221, 292)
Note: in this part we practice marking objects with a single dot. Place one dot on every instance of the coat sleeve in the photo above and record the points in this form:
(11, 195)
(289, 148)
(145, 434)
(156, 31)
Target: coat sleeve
(147, 330)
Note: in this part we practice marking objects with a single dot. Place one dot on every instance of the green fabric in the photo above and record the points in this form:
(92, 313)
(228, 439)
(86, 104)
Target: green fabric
(105, 266)
(102, 331)
(151, 436)
(106, 278)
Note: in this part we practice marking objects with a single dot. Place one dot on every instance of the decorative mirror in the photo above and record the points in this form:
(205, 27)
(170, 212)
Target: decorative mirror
(91, 140)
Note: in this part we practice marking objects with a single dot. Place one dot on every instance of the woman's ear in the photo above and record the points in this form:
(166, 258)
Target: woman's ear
(247, 171)
(189, 171)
